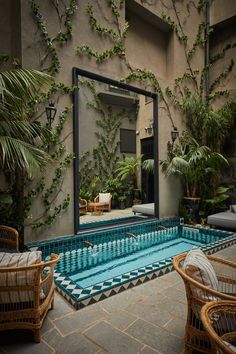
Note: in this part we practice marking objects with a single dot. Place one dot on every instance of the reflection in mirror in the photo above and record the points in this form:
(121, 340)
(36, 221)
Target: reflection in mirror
(115, 137)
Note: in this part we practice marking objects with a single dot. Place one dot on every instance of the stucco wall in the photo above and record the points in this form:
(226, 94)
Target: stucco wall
(148, 45)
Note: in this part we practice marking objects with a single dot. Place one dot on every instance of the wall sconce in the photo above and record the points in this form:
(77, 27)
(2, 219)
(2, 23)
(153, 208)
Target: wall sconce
(50, 113)
(174, 135)
(149, 129)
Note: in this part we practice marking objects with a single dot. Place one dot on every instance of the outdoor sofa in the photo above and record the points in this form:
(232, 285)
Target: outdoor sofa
(145, 209)
(225, 220)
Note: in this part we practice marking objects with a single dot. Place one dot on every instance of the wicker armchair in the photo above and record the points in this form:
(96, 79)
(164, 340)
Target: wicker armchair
(106, 206)
(198, 294)
(83, 205)
(25, 303)
(219, 321)
(9, 238)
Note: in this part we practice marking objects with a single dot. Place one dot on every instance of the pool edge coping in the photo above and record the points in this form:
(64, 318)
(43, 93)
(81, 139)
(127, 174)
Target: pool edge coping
(80, 298)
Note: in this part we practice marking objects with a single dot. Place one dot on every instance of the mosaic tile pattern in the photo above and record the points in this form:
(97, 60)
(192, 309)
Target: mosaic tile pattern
(80, 298)
(214, 240)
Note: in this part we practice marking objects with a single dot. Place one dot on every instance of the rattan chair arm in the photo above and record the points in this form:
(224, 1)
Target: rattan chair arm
(53, 260)
(206, 318)
(83, 201)
(176, 261)
(11, 231)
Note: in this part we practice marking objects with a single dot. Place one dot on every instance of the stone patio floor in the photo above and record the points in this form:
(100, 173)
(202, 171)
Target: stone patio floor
(147, 319)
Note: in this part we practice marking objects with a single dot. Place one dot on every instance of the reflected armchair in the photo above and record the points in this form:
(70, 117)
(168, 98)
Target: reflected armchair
(83, 204)
(105, 199)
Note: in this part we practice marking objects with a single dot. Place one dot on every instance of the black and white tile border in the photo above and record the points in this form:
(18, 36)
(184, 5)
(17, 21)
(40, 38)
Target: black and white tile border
(80, 298)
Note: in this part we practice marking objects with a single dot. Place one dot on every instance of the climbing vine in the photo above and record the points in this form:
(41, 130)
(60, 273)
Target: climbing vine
(102, 160)
(60, 38)
(118, 38)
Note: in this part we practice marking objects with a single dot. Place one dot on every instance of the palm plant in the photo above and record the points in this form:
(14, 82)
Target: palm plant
(18, 148)
(128, 167)
(21, 140)
(208, 126)
(194, 164)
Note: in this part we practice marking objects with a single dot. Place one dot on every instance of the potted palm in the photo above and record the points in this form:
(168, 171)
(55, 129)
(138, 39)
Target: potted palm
(127, 171)
(195, 165)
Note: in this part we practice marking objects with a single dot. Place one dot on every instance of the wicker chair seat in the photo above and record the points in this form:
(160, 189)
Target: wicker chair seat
(196, 337)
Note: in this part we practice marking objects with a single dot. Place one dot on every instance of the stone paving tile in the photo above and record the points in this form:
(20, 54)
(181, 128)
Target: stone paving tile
(120, 319)
(121, 301)
(148, 350)
(172, 278)
(113, 340)
(61, 307)
(174, 294)
(47, 325)
(154, 299)
(176, 326)
(80, 320)
(156, 337)
(72, 344)
(154, 286)
(153, 314)
(177, 309)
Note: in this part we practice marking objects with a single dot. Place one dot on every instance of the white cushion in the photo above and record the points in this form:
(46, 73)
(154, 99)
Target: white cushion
(18, 278)
(198, 267)
(104, 198)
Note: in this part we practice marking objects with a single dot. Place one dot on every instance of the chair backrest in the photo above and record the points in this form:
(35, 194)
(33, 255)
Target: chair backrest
(25, 284)
(104, 198)
(219, 320)
(198, 293)
(9, 238)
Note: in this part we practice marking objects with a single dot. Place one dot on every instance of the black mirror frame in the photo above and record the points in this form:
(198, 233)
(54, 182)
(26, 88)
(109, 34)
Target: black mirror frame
(75, 73)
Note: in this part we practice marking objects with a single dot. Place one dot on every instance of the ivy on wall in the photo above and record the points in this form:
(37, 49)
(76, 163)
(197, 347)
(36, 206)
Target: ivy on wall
(175, 95)
(117, 37)
(65, 17)
(56, 147)
(102, 160)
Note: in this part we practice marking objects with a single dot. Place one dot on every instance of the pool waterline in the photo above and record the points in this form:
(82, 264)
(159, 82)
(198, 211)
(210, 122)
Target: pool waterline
(101, 279)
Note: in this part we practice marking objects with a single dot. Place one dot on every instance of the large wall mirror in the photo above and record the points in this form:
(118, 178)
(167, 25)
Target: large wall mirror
(115, 131)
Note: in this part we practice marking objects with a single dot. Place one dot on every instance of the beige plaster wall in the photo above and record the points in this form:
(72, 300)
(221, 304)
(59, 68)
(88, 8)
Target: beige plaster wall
(222, 10)
(147, 47)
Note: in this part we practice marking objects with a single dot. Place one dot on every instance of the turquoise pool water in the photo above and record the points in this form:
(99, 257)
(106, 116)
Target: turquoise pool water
(88, 276)
(98, 264)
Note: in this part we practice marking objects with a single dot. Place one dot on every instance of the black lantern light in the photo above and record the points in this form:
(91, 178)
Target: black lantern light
(50, 113)
(174, 135)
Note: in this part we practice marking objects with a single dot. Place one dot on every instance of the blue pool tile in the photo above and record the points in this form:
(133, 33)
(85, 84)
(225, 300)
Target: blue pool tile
(115, 243)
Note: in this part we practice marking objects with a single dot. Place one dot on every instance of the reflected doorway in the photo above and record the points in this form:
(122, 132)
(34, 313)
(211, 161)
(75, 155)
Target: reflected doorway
(147, 177)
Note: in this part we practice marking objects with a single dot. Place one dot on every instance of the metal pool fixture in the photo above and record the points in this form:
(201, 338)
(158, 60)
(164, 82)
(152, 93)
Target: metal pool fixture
(162, 227)
(90, 244)
(130, 234)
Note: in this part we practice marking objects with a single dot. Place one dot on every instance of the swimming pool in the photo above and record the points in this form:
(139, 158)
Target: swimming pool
(99, 264)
